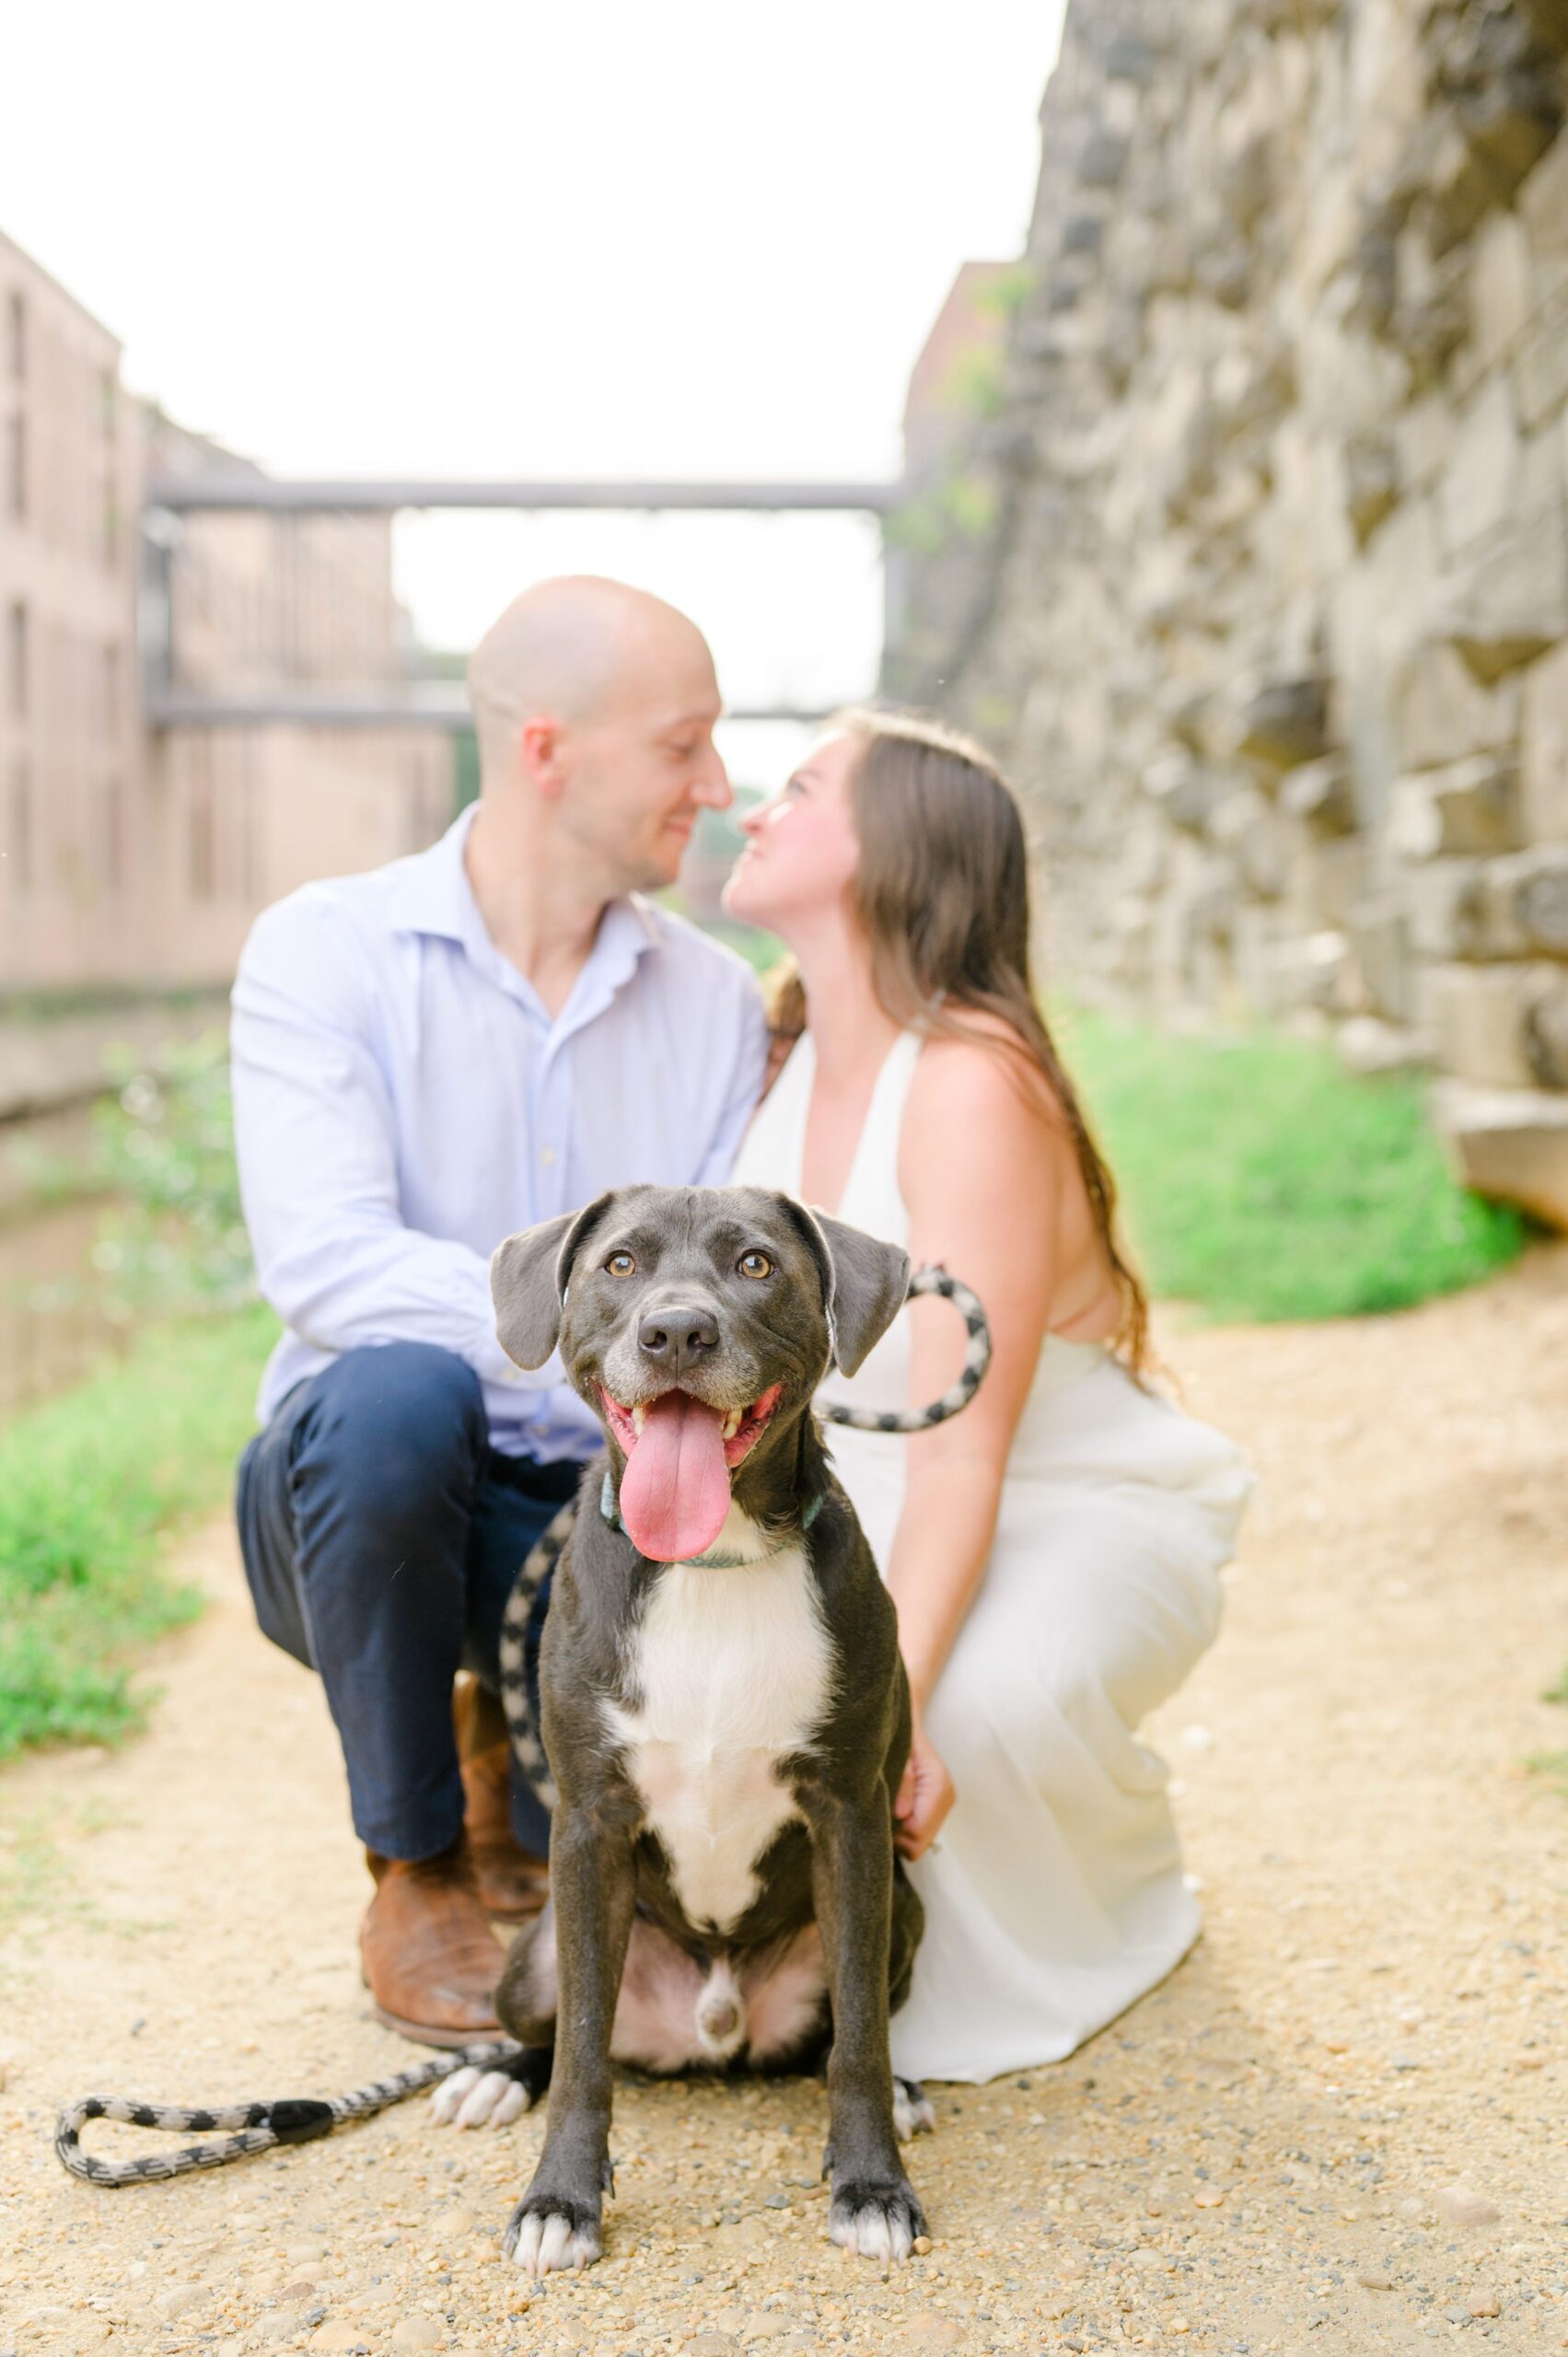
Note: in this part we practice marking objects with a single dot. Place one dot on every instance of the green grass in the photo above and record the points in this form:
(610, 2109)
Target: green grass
(91, 1484)
(1261, 1180)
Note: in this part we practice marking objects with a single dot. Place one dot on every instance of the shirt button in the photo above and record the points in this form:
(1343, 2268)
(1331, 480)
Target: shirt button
(547, 1154)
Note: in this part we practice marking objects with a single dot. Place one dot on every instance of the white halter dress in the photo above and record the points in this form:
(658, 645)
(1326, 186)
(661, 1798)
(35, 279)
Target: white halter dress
(1054, 1896)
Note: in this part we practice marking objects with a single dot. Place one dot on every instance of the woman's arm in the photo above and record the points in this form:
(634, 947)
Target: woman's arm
(979, 1169)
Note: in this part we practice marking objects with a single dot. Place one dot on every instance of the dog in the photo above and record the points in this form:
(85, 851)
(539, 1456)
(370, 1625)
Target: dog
(723, 1701)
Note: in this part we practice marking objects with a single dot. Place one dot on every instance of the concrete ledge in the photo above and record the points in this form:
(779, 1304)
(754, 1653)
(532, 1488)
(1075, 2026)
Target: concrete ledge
(1508, 1142)
(52, 1060)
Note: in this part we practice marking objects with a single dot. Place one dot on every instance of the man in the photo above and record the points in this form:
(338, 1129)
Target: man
(425, 1059)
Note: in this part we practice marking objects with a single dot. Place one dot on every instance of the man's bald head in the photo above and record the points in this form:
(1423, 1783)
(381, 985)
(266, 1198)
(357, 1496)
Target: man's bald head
(572, 651)
(595, 707)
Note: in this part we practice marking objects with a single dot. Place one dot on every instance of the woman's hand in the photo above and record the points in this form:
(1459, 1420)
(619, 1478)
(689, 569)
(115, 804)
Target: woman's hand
(925, 1797)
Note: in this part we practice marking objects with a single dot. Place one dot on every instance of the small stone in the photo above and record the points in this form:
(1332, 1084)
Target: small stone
(447, 2222)
(776, 2201)
(767, 2325)
(174, 2298)
(417, 2333)
(1210, 2197)
(711, 2344)
(296, 2292)
(920, 2246)
(303, 2253)
(1461, 2205)
(1149, 2259)
(1484, 2304)
(930, 2332)
(1370, 2280)
(339, 2340)
(1176, 2324)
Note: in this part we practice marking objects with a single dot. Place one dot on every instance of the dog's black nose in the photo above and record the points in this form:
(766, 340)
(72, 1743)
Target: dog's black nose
(677, 1336)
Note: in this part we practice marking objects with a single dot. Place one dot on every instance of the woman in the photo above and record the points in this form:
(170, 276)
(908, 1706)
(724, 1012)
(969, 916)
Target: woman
(1054, 1550)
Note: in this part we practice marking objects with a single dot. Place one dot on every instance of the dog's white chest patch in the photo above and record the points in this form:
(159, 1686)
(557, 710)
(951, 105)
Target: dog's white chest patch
(732, 1671)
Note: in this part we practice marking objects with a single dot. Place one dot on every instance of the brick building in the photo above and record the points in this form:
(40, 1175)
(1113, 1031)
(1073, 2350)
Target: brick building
(133, 854)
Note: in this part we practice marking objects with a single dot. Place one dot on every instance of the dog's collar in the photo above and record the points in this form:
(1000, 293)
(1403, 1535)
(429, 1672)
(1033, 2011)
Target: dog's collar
(715, 1560)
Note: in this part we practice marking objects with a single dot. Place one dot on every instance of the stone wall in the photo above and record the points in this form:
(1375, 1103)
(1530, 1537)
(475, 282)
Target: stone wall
(1267, 609)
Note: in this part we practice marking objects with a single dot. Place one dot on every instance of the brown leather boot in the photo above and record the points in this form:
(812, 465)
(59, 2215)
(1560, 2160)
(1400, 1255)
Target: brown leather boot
(431, 1960)
(513, 1882)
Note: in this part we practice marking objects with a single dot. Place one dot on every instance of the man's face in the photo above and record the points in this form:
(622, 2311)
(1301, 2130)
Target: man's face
(635, 777)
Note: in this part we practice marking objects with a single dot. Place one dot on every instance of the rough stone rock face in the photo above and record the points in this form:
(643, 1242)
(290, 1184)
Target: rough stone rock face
(1266, 605)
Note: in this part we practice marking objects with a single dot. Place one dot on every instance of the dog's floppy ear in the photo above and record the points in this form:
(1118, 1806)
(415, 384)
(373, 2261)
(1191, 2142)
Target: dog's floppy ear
(529, 1275)
(865, 1283)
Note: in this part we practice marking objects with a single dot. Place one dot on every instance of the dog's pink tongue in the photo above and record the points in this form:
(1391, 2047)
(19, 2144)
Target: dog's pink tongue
(675, 1491)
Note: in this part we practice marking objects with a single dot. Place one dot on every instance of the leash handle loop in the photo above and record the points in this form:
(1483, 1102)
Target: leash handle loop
(976, 1358)
(293, 2120)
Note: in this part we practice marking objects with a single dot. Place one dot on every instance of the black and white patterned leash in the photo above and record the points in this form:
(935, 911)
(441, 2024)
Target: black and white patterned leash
(546, 1552)
(976, 1358)
(295, 2119)
(299, 2120)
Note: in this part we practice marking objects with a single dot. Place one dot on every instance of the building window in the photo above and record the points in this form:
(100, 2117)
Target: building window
(17, 661)
(17, 339)
(113, 846)
(203, 845)
(17, 466)
(20, 830)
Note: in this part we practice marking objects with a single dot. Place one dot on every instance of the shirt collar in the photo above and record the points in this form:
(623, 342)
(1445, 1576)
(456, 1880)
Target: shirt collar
(433, 894)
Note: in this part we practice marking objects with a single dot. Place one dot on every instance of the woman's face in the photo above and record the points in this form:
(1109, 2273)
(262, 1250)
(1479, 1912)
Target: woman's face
(801, 851)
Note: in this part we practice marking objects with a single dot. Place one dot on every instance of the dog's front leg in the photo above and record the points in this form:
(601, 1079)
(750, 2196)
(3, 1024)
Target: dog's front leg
(873, 2210)
(556, 2225)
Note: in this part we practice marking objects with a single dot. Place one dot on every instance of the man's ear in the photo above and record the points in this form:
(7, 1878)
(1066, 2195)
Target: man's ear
(528, 1276)
(864, 1283)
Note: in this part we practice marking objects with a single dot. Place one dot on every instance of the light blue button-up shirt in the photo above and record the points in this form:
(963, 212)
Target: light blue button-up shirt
(403, 1099)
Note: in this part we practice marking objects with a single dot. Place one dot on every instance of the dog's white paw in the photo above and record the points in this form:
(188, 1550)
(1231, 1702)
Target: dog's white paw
(543, 2242)
(446, 2102)
(913, 2113)
(473, 2098)
(883, 2227)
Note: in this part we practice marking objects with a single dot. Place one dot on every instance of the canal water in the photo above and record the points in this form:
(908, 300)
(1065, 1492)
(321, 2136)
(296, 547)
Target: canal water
(59, 1314)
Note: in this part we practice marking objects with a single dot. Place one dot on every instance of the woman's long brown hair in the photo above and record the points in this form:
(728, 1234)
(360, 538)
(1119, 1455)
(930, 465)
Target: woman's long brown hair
(942, 889)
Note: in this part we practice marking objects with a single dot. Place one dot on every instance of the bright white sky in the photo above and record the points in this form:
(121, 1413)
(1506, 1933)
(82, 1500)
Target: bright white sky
(498, 238)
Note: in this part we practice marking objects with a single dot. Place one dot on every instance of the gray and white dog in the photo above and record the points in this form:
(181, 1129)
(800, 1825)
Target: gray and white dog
(723, 1702)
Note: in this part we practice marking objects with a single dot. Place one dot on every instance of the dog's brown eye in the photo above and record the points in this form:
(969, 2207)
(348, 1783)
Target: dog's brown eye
(755, 1264)
(621, 1264)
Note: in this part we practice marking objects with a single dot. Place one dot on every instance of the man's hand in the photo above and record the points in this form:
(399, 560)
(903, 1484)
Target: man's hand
(925, 1797)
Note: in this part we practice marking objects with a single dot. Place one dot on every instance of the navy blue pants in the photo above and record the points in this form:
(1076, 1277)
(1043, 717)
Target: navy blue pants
(381, 1535)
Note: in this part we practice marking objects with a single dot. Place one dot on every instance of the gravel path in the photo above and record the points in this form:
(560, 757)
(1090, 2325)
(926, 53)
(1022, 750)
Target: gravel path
(1261, 2156)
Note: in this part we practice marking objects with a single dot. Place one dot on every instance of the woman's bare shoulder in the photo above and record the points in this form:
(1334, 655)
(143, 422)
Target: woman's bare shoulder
(988, 1077)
